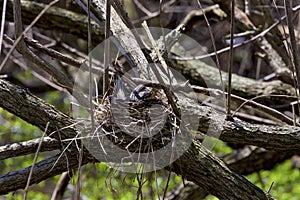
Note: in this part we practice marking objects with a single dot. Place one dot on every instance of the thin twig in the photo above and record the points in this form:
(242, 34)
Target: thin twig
(143, 9)
(151, 14)
(269, 190)
(230, 65)
(91, 110)
(167, 185)
(34, 161)
(214, 47)
(161, 24)
(2, 24)
(106, 49)
(91, 107)
(61, 186)
(165, 67)
(261, 34)
(293, 45)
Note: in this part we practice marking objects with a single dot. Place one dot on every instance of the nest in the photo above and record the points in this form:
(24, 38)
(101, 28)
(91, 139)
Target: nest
(144, 120)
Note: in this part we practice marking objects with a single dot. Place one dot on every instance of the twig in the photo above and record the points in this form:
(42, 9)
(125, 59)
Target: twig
(161, 25)
(273, 112)
(295, 62)
(106, 49)
(79, 175)
(150, 14)
(61, 186)
(214, 47)
(261, 34)
(34, 161)
(167, 185)
(165, 67)
(230, 65)
(96, 70)
(270, 188)
(91, 107)
(144, 10)
(2, 24)
(247, 7)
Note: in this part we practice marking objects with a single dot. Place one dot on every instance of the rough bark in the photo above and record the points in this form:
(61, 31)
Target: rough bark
(206, 168)
(28, 147)
(43, 170)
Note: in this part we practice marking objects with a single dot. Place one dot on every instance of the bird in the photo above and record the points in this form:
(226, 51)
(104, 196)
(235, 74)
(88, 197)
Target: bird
(143, 93)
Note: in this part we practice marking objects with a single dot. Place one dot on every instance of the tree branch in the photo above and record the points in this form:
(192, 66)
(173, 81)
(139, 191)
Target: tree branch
(43, 170)
(201, 167)
(28, 147)
(35, 111)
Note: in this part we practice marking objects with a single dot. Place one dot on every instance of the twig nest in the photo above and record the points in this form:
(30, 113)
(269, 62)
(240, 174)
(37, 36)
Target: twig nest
(144, 116)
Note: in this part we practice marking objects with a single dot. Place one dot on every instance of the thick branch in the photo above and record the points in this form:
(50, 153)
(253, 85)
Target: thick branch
(201, 167)
(205, 75)
(245, 161)
(35, 111)
(28, 147)
(240, 132)
(251, 159)
(43, 170)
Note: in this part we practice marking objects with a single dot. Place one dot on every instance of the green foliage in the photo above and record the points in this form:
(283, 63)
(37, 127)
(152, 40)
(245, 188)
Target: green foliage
(221, 148)
(14, 129)
(286, 181)
(59, 99)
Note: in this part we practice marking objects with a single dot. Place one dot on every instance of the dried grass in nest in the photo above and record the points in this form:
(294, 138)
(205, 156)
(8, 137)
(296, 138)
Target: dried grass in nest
(138, 126)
